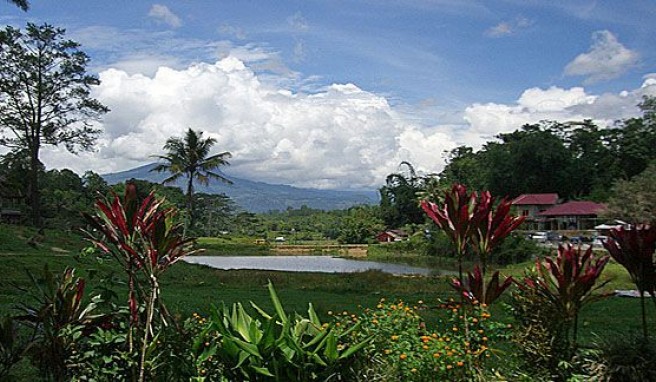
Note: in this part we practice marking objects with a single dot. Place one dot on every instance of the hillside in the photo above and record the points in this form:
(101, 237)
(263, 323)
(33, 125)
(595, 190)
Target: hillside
(259, 196)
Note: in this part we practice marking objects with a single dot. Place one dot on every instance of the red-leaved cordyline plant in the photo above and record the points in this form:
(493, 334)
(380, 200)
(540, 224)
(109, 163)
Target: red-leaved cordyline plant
(144, 239)
(454, 218)
(492, 224)
(470, 220)
(568, 281)
(475, 290)
(634, 250)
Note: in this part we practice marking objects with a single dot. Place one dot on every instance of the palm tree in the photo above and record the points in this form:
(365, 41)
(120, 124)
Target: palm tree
(22, 4)
(188, 157)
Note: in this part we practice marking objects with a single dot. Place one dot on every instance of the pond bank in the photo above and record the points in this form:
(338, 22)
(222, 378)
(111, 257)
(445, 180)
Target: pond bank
(348, 250)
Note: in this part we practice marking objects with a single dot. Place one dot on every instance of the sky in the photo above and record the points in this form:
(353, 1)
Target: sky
(334, 94)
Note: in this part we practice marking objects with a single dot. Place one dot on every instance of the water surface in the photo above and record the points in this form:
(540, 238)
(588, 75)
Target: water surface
(325, 264)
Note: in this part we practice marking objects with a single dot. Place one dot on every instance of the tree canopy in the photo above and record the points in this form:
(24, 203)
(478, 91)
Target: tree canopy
(44, 98)
(189, 157)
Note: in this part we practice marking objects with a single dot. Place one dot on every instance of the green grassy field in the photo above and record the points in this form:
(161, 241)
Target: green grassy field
(192, 288)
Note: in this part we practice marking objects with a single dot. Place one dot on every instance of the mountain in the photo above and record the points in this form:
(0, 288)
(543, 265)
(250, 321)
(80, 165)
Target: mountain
(258, 196)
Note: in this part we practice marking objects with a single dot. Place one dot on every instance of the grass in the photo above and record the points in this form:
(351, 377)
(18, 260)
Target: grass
(188, 288)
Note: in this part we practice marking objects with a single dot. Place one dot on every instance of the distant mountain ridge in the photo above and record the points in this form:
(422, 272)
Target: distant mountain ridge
(255, 196)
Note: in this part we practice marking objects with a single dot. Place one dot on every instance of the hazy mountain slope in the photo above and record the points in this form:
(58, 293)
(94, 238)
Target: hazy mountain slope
(258, 196)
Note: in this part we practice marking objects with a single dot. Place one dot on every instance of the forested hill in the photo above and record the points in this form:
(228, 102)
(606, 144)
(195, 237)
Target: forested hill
(258, 196)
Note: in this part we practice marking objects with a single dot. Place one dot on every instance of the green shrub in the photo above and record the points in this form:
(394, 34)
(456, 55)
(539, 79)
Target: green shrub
(402, 347)
(13, 345)
(516, 249)
(59, 319)
(622, 359)
(274, 347)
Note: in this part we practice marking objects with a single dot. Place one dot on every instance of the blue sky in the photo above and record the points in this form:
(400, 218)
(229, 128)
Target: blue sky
(335, 94)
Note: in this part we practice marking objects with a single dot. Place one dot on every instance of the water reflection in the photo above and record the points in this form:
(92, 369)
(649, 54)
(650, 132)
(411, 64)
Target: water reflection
(325, 264)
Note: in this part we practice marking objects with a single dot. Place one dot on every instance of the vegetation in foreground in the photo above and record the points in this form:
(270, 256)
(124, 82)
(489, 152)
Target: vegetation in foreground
(69, 336)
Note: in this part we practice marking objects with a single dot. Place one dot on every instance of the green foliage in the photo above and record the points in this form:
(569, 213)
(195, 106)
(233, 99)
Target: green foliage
(547, 307)
(540, 333)
(635, 200)
(189, 158)
(404, 349)
(45, 98)
(398, 198)
(273, 347)
(13, 345)
(58, 318)
(622, 358)
(516, 249)
(359, 226)
(146, 240)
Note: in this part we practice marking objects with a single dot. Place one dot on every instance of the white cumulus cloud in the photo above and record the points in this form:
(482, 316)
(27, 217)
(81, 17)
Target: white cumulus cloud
(163, 14)
(339, 137)
(606, 59)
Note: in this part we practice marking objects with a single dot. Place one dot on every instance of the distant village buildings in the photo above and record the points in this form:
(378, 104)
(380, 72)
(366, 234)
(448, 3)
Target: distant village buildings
(545, 212)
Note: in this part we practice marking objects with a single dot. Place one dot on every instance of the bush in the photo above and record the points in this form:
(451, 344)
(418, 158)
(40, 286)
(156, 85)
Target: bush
(622, 359)
(516, 249)
(402, 347)
(265, 347)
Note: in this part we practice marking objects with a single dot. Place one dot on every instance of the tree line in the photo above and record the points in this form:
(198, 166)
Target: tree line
(576, 160)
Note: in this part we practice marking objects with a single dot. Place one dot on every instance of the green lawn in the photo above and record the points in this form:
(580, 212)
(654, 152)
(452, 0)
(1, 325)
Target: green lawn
(192, 288)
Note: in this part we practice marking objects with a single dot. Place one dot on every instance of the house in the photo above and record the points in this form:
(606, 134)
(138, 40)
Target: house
(575, 215)
(530, 206)
(391, 236)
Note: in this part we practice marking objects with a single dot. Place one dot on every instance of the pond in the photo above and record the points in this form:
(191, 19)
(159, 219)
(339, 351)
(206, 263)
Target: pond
(324, 264)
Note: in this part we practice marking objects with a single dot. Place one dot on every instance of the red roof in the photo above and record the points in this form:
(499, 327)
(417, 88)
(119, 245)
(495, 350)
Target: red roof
(536, 199)
(574, 209)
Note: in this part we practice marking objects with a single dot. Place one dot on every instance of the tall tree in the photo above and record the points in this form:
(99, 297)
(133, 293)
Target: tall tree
(399, 204)
(44, 98)
(188, 157)
(22, 4)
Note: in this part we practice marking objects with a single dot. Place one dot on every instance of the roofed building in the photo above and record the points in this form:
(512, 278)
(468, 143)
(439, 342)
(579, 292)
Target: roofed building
(530, 206)
(575, 215)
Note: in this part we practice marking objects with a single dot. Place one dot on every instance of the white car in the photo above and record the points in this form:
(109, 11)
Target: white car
(599, 241)
(540, 236)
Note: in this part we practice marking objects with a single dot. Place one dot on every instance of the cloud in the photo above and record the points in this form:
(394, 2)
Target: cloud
(232, 31)
(163, 14)
(507, 28)
(339, 136)
(485, 121)
(298, 22)
(606, 59)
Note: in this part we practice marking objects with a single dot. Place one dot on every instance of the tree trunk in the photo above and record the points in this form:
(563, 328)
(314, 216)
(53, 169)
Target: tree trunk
(33, 186)
(190, 200)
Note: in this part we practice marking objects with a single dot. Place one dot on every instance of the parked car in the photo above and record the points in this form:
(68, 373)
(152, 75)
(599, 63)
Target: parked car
(576, 240)
(540, 236)
(599, 241)
(554, 237)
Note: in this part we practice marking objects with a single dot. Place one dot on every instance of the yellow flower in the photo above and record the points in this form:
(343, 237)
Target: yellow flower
(413, 370)
(403, 356)
(395, 338)
(387, 351)
(425, 347)
(460, 363)
(436, 355)
(449, 367)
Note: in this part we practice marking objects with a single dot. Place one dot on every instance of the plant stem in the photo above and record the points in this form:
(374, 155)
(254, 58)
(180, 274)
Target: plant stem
(154, 287)
(644, 315)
